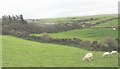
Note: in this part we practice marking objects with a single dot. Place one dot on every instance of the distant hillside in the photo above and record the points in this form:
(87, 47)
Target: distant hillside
(16, 25)
(76, 19)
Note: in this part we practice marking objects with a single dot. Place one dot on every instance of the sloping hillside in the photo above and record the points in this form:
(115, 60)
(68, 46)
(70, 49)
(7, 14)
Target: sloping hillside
(86, 34)
(18, 52)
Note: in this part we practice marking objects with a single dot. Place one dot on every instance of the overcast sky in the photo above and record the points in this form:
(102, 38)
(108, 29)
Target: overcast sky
(57, 8)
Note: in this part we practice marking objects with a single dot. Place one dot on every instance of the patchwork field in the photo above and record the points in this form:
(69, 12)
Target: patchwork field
(97, 32)
(23, 53)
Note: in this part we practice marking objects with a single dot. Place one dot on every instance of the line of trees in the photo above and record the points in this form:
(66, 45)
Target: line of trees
(7, 19)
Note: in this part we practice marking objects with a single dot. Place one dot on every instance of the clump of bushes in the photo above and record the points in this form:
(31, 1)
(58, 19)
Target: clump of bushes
(111, 43)
(45, 36)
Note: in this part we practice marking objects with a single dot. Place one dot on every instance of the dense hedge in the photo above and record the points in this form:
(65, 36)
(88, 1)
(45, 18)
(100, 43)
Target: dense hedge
(75, 42)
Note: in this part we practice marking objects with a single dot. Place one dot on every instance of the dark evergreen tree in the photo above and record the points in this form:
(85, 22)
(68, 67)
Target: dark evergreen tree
(10, 19)
(14, 19)
(22, 19)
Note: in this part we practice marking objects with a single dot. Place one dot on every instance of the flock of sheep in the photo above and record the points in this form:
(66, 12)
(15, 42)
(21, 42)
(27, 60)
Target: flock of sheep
(89, 56)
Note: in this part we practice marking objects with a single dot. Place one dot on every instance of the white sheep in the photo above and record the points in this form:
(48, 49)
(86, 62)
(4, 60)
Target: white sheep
(88, 57)
(106, 54)
(114, 52)
(114, 28)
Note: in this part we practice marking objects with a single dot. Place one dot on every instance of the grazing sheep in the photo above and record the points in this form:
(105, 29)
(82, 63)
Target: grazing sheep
(114, 52)
(106, 54)
(88, 57)
(83, 26)
(114, 28)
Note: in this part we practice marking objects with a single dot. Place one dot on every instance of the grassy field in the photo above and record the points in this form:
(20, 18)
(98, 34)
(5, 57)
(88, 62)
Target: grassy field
(23, 53)
(86, 34)
(0, 51)
(109, 23)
